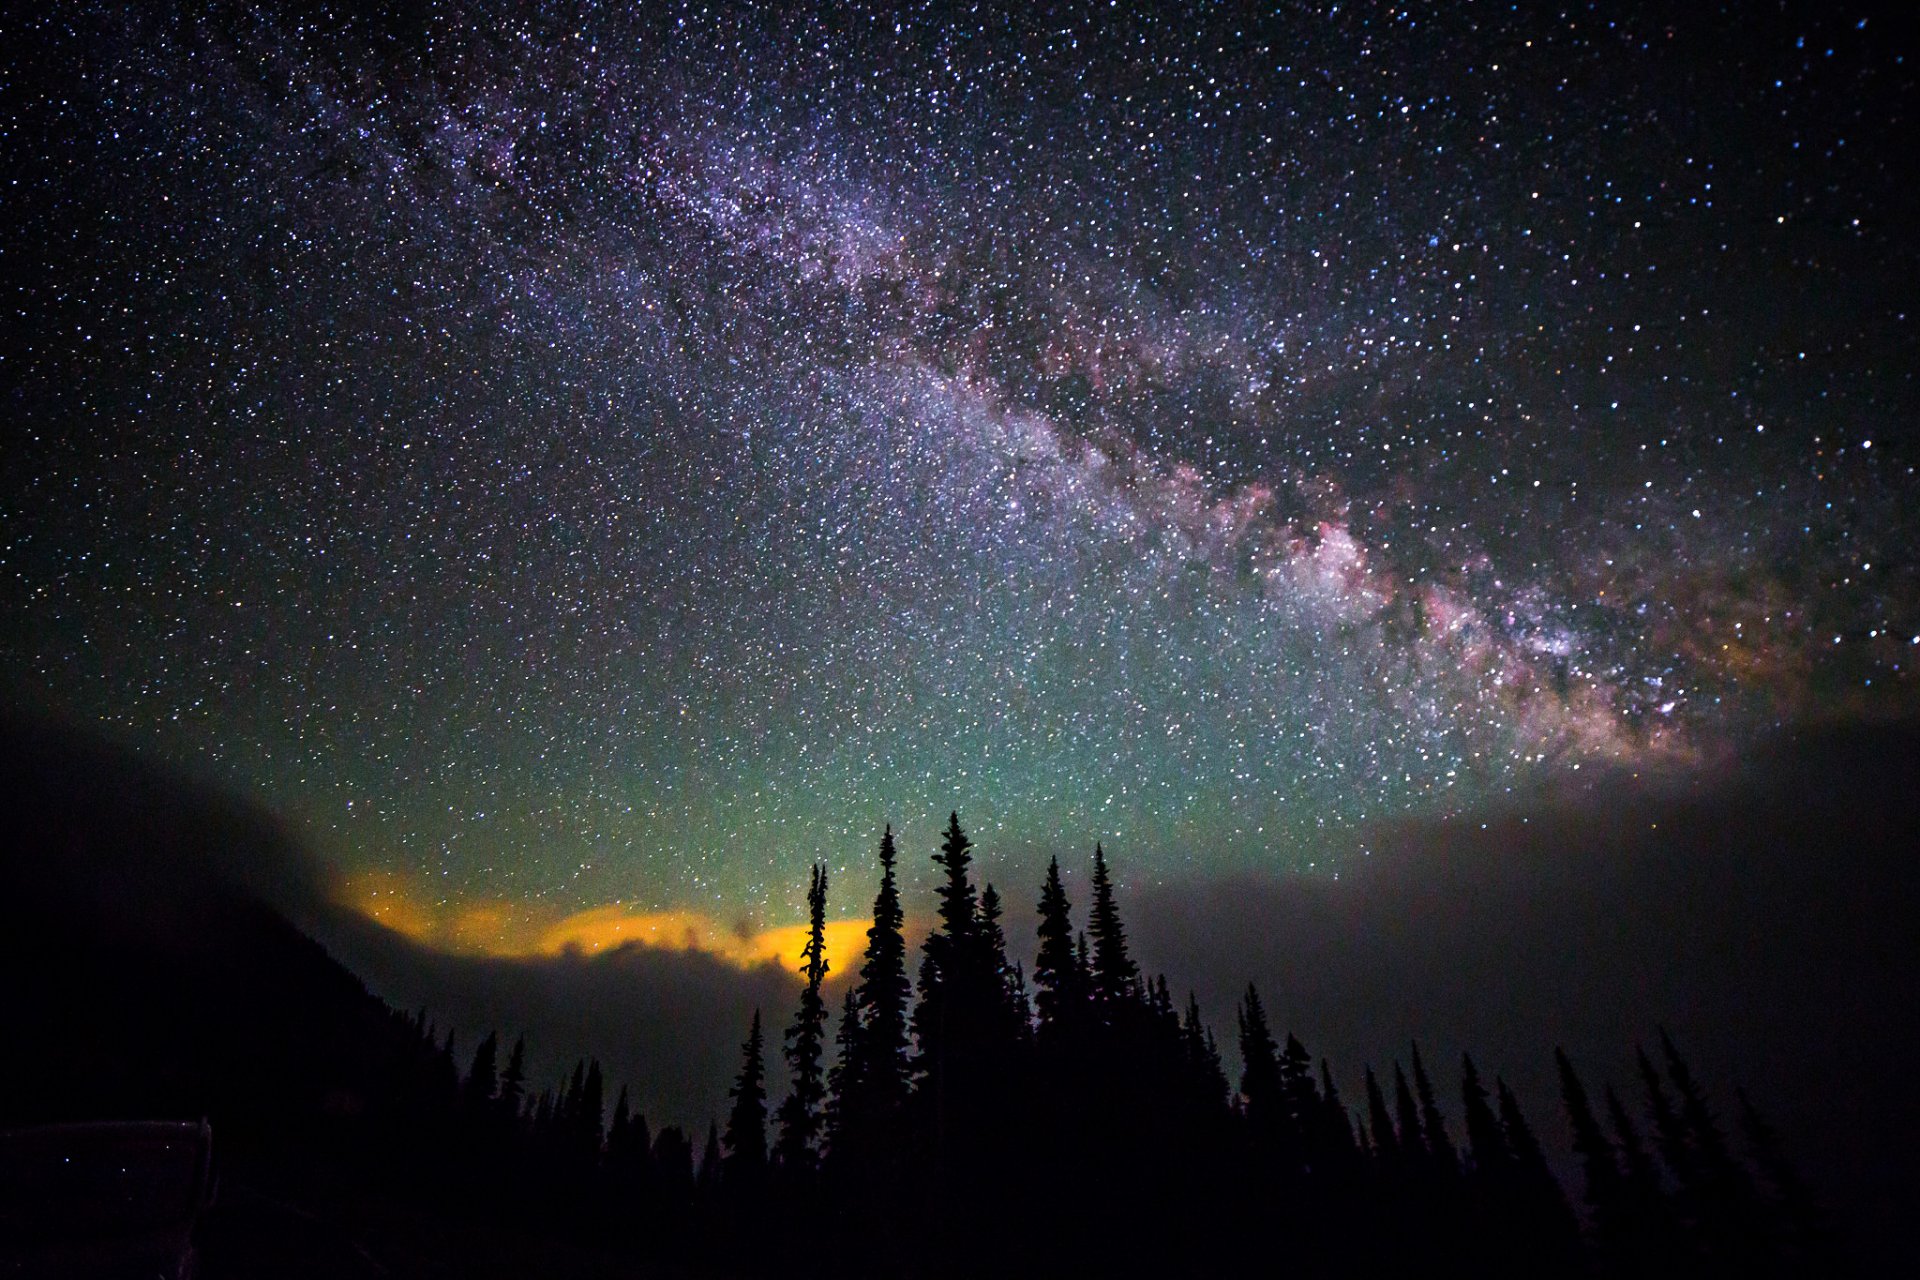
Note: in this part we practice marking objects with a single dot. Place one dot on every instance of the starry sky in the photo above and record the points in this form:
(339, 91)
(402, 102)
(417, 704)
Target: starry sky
(573, 461)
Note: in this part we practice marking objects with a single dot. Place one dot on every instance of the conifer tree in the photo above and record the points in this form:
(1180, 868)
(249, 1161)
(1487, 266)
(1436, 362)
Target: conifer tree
(746, 1158)
(1203, 1058)
(1548, 1231)
(1301, 1099)
(1669, 1132)
(800, 1114)
(1338, 1125)
(1386, 1148)
(885, 993)
(513, 1081)
(874, 1071)
(953, 984)
(1413, 1144)
(483, 1078)
(1605, 1186)
(591, 1115)
(841, 1087)
(712, 1163)
(1114, 972)
(1704, 1137)
(1056, 971)
(1260, 1083)
(1646, 1240)
(1487, 1152)
(1433, 1125)
(1009, 992)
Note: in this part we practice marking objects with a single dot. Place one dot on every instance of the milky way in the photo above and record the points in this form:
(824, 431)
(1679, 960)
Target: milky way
(577, 459)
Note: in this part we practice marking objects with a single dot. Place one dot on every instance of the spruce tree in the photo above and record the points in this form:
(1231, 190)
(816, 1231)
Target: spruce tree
(746, 1158)
(1546, 1229)
(801, 1111)
(873, 1074)
(513, 1082)
(1605, 1186)
(1433, 1125)
(712, 1163)
(1487, 1153)
(1301, 1100)
(1413, 1143)
(1114, 972)
(885, 994)
(591, 1113)
(1209, 1079)
(1260, 1083)
(1009, 991)
(1386, 1148)
(953, 984)
(483, 1078)
(1056, 972)
(1669, 1132)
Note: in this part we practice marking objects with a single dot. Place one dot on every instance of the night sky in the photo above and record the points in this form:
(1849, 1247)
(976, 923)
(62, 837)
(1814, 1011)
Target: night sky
(578, 462)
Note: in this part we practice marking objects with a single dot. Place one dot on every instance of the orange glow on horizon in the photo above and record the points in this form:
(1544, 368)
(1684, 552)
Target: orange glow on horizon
(505, 929)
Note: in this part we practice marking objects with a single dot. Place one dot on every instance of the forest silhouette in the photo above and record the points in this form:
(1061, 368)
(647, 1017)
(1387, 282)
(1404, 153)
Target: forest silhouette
(955, 1116)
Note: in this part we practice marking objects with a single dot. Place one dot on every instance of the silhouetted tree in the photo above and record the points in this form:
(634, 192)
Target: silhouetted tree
(712, 1163)
(1433, 1126)
(513, 1081)
(1412, 1145)
(1386, 1147)
(1056, 971)
(1605, 1185)
(801, 1113)
(1114, 972)
(483, 1078)
(875, 1070)
(1487, 1152)
(1545, 1226)
(1209, 1079)
(1260, 1066)
(746, 1158)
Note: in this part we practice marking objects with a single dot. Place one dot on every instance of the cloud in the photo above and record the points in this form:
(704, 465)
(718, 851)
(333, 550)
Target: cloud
(507, 929)
(1765, 917)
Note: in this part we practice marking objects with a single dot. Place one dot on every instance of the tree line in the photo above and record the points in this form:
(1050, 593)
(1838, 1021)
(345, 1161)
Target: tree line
(965, 1118)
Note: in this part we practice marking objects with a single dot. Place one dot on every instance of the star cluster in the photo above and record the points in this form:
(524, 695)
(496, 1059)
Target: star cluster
(580, 457)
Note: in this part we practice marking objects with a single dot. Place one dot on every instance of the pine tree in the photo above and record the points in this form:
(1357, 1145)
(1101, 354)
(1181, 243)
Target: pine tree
(592, 1112)
(1413, 1143)
(952, 983)
(1547, 1232)
(483, 1078)
(1008, 988)
(1301, 1100)
(746, 1158)
(874, 1071)
(1336, 1124)
(1669, 1133)
(1487, 1152)
(1260, 1083)
(841, 1087)
(712, 1163)
(1606, 1187)
(800, 1114)
(1433, 1125)
(1386, 1147)
(513, 1082)
(1645, 1236)
(1209, 1079)
(1056, 972)
(1114, 972)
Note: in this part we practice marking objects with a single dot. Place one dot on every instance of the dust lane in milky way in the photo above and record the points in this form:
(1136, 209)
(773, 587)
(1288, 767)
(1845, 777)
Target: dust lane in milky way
(588, 460)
